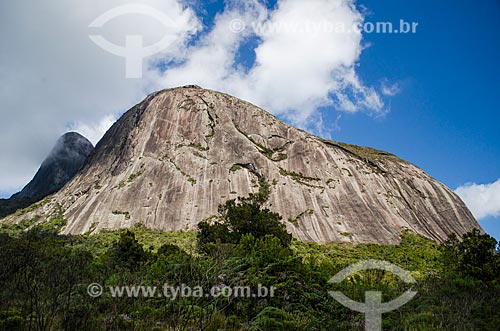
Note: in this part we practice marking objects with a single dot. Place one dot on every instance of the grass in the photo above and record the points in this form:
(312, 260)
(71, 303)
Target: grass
(149, 238)
(364, 152)
(235, 167)
(422, 261)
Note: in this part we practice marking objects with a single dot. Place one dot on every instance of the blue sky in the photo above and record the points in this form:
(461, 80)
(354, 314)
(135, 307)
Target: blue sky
(446, 117)
(443, 118)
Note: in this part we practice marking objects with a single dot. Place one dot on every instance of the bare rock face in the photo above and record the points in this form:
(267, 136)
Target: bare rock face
(59, 167)
(64, 161)
(172, 159)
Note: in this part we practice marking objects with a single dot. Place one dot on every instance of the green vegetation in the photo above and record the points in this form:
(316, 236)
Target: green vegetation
(268, 152)
(189, 178)
(334, 181)
(235, 167)
(15, 229)
(123, 183)
(124, 213)
(32, 207)
(364, 152)
(280, 157)
(55, 224)
(195, 146)
(298, 177)
(299, 216)
(44, 277)
(240, 217)
(346, 172)
(301, 178)
(133, 176)
(367, 151)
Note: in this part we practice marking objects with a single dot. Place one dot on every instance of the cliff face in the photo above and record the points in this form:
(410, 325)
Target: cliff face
(172, 159)
(62, 164)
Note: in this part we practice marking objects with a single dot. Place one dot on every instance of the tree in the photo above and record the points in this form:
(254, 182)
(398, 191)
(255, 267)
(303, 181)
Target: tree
(40, 279)
(243, 216)
(475, 255)
(127, 252)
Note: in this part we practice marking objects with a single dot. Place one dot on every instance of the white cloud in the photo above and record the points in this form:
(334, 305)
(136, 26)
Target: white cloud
(390, 89)
(93, 131)
(300, 64)
(482, 199)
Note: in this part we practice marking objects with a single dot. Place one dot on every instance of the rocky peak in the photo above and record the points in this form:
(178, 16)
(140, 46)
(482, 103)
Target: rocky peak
(65, 159)
(173, 158)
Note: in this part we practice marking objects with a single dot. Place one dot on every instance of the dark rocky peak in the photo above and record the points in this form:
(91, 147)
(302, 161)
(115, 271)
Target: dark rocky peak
(61, 165)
